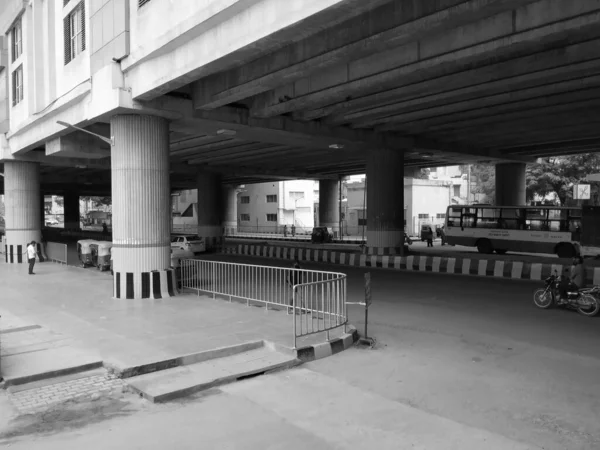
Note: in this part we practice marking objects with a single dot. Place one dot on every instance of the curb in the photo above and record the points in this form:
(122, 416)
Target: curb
(192, 358)
(320, 351)
(51, 374)
(515, 270)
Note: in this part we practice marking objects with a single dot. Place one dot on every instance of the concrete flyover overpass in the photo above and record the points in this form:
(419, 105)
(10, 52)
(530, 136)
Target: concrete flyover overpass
(208, 94)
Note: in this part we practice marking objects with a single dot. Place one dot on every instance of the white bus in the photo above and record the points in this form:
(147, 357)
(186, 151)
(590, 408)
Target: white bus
(528, 229)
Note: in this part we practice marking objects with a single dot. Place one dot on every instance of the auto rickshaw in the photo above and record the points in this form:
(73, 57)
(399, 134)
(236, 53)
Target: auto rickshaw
(87, 250)
(104, 256)
(321, 235)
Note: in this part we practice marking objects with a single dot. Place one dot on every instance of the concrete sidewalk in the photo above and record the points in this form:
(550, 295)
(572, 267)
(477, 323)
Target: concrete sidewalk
(122, 333)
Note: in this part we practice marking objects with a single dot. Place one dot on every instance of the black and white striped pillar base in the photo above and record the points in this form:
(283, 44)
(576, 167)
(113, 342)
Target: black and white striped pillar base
(17, 254)
(154, 285)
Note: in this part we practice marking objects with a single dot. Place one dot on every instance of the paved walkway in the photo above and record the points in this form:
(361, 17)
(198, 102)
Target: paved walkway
(67, 314)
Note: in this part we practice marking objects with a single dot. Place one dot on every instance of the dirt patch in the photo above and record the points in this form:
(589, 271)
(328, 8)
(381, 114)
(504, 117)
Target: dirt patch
(73, 414)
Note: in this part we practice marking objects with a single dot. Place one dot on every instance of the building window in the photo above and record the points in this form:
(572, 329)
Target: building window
(16, 35)
(296, 195)
(17, 85)
(74, 32)
(271, 198)
(457, 190)
(271, 217)
(245, 199)
(423, 216)
(245, 217)
(440, 216)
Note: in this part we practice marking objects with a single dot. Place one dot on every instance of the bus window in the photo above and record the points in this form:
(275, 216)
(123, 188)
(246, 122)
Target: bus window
(535, 219)
(511, 219)
(488, 218)
(454, 215)
(469, 218)
(557, 220)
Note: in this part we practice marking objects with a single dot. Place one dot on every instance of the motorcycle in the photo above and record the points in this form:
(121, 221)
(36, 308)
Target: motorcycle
(584, 300)
(407, 239)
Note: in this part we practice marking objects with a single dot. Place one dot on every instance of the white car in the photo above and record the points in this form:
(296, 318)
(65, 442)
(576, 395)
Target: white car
(188, 242)
(177, 254)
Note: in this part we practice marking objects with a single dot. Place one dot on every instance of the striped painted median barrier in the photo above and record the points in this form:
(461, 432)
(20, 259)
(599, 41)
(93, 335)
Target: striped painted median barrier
(517, 270)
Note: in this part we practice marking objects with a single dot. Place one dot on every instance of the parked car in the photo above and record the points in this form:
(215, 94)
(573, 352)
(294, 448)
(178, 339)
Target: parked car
(177, 254)
(190, 242)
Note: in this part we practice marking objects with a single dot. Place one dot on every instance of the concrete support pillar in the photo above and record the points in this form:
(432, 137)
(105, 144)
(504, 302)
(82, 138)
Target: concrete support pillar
(329, 204)
(385, 199)
(229, 210)
(210, 207)
(71, 208)
(22, 208)
(141, 200)
(510, 184)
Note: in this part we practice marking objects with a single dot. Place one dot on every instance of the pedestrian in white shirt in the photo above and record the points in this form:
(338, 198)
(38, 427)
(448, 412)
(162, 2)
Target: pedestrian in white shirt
(31, 255)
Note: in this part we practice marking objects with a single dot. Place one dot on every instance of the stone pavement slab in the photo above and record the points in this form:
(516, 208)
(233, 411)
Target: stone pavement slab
(42, 396)
(347, 417)
(126, 333)
(182, 381)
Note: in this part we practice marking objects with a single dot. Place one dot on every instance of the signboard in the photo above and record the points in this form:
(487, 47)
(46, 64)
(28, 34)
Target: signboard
(593, 177)
(581, 191)
(368, 289)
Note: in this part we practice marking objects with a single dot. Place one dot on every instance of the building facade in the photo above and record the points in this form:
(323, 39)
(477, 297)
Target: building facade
(269, 207)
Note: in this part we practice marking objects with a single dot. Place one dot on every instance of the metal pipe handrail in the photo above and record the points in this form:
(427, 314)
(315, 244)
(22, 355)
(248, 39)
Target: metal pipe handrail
(271, 286)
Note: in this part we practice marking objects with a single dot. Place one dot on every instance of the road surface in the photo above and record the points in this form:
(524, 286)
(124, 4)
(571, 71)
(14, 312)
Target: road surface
(460, 363)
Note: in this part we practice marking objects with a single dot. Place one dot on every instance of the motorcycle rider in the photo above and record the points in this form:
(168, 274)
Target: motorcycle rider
(578, 273)
(574, 281)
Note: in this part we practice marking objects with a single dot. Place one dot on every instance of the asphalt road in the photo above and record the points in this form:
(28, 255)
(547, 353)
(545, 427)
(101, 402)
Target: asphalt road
(461, 363)
(477, 351)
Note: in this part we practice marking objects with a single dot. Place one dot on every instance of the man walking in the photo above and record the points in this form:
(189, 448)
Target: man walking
(31, 255)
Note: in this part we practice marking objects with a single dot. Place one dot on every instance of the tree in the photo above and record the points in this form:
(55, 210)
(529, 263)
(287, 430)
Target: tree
(559, 174)
(483, 181)
(423, 174)
(97, 202)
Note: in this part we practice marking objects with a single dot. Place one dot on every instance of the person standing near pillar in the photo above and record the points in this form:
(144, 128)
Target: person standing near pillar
(31, 255)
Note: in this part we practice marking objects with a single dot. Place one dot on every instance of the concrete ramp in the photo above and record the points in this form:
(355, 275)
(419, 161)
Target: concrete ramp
(184, 380)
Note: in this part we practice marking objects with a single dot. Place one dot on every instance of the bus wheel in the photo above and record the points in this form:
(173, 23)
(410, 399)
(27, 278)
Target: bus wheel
(501, 251)
(565, 250)
(484, 246)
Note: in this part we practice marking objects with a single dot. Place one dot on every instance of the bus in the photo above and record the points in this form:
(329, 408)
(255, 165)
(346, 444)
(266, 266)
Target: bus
(527, 229)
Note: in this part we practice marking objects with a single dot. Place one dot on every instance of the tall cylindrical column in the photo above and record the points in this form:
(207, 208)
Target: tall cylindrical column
(22, 208)
(329, 207)
(141, 200)
(511, 184)
(385, 199)
(210, 207)
(230, 209)
(71, 208)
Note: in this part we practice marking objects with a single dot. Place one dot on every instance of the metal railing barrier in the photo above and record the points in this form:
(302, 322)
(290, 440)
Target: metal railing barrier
(316, 298)
(56, 252)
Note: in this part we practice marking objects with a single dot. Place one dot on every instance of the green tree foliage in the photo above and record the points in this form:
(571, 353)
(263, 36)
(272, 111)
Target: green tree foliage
(483, 181)
(423, 174)
(97, 201)
(558, 174)
(549, 175)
